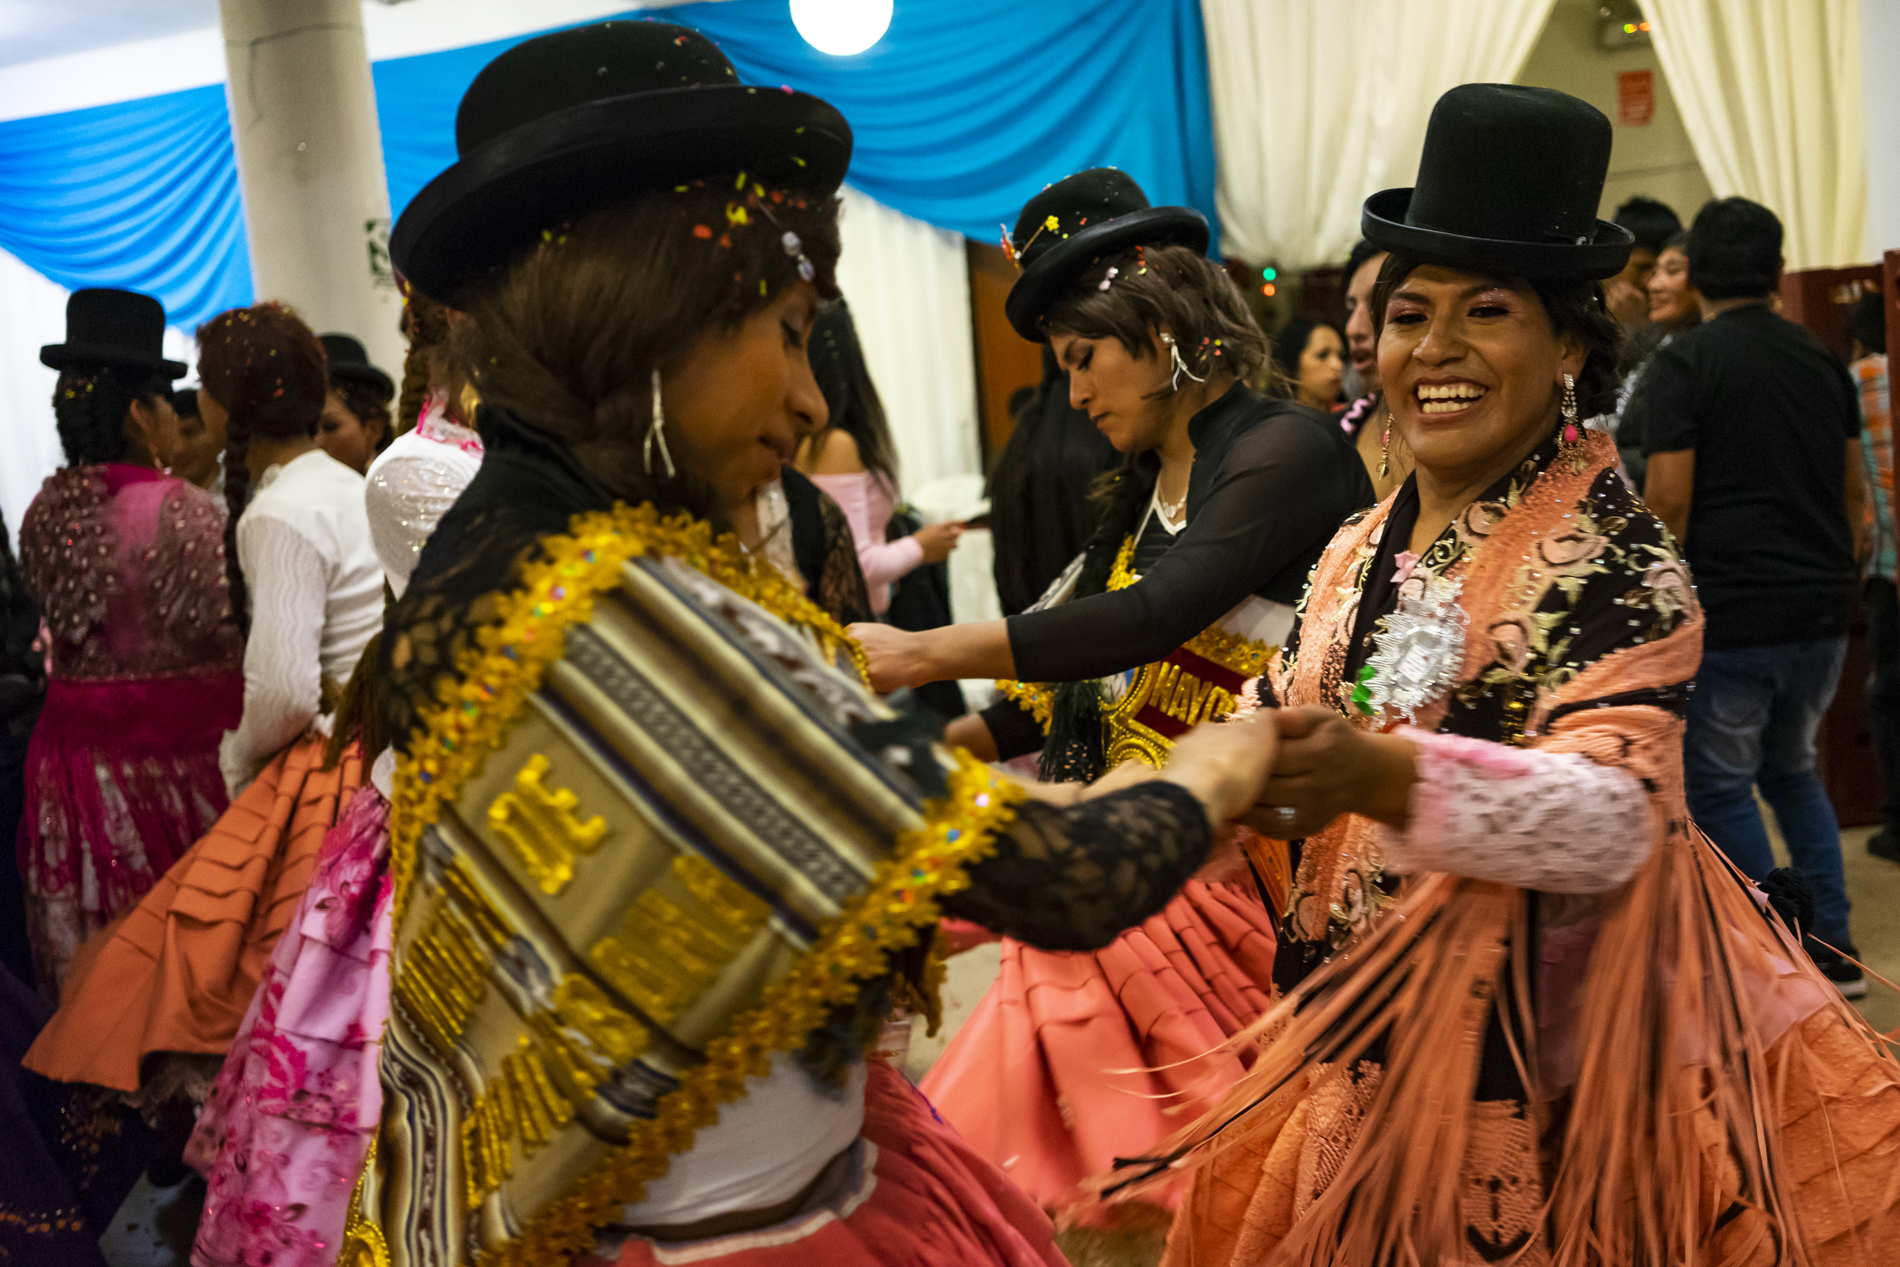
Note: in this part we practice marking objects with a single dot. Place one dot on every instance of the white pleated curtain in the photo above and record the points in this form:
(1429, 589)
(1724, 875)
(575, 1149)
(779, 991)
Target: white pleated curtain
(1318, 104)
(909, 289)
(1770, 92)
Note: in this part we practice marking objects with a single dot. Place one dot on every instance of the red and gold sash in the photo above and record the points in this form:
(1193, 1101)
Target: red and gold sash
(1198, 681)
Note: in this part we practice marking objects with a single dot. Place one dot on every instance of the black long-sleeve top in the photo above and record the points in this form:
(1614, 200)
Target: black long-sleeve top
(1272, 481)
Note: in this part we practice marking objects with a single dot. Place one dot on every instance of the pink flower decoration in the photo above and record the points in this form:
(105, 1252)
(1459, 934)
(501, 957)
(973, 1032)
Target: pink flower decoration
(1406, 561)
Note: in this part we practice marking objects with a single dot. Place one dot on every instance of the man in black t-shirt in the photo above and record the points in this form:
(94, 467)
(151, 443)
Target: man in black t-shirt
(1753, 434)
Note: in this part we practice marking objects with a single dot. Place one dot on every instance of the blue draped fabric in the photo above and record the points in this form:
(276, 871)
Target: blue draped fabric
(967, 107)
(962, 111)
(142, 194)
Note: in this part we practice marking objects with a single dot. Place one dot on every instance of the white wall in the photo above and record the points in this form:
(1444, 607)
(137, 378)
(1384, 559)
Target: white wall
(1656, 159)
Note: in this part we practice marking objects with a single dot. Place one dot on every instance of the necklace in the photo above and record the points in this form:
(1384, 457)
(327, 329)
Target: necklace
(1173, 513)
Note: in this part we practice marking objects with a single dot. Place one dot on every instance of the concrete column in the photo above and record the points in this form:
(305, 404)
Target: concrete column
(1880, 90)
(310, 160)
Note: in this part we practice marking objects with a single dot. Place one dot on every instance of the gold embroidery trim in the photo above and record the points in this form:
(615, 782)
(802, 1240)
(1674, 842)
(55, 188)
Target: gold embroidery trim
(927, 864)
(1038, 697)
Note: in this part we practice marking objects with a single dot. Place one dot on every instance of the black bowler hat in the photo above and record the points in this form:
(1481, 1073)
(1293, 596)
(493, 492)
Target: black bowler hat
(113, 327)
(1508, 185)
(1077, 221)
(350, 363)
(581, 119)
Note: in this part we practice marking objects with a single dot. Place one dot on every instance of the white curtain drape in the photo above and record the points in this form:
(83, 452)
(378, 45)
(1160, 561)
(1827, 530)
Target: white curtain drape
(32, 314)
(1318, 104)
(1770, 93)
(909, 289)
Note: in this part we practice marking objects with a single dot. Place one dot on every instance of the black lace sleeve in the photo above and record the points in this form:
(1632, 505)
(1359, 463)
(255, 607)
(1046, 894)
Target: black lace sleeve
(1073, 878)
(841, 590)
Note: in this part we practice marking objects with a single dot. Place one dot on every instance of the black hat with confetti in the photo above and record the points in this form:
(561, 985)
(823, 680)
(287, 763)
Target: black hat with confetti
(1076, 222)
(105, 326)
(570, 122)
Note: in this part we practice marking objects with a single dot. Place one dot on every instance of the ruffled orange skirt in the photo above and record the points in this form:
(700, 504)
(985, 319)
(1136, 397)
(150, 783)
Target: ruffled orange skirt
(176, 972)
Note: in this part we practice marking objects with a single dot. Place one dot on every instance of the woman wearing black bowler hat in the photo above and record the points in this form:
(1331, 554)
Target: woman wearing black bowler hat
(356, 425)
(1206, 535)
(127, 566)
(1527, 1011)
(661, 863)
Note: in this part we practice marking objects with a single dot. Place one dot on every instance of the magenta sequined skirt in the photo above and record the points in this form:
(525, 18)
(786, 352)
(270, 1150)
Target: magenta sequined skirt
(121, 779)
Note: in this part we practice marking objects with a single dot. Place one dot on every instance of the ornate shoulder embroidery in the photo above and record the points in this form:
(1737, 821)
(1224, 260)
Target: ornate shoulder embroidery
(69, 552)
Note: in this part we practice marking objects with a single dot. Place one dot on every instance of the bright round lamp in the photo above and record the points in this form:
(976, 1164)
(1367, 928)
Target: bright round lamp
(841, 27)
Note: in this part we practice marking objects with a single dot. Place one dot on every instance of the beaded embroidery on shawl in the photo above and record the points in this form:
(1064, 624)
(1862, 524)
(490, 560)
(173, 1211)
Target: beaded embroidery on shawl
(68, 548)
(1529, 649)
(77, 564)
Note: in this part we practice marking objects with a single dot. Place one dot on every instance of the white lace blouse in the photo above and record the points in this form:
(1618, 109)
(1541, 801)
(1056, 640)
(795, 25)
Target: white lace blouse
(412, 485)
(316, 600)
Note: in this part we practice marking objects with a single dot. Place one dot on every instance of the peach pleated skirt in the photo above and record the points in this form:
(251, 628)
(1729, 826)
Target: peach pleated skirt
(1075, 1058)
(176, 972)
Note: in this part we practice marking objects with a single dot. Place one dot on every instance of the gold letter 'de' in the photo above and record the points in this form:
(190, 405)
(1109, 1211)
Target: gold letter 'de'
(539, 825)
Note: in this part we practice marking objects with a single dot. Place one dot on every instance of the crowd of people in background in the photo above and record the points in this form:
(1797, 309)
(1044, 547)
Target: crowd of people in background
(232, 616)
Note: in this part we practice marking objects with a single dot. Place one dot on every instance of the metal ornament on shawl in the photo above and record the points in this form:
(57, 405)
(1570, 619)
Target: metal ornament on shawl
(1416, 658)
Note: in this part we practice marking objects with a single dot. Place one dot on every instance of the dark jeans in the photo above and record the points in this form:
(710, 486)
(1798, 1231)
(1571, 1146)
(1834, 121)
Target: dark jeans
(1882, 604)
(1752, 721)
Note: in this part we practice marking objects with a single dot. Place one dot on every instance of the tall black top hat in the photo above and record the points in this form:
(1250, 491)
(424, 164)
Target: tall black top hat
(580, 119)
(1073, 223)
(1508, 185)
(113, 327)
(350, 363)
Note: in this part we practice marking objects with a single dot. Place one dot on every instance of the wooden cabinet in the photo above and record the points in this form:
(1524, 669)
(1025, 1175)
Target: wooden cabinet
(1819, 299)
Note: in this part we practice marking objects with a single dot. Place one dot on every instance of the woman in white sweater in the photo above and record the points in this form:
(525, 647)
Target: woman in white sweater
(176, 975)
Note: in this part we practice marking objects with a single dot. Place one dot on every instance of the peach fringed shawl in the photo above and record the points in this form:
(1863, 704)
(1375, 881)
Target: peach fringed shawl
(1729, 1108)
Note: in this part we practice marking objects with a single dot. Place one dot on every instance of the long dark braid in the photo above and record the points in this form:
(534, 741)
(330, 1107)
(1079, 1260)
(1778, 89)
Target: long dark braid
(426, 323)
(89, 407)
(237, 493)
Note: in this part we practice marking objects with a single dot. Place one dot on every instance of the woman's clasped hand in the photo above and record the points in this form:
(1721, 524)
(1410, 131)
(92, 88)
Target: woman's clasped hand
(1286, 773)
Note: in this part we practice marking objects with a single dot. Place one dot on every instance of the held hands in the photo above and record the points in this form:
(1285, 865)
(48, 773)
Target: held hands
(894, 657)
(1224, 764)
(1326, 767)
(938, 540)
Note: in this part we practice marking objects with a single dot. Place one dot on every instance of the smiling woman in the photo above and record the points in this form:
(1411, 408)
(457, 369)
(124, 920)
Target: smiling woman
(1507, 948)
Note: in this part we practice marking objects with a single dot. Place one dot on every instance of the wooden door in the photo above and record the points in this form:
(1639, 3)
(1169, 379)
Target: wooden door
(1005, 361)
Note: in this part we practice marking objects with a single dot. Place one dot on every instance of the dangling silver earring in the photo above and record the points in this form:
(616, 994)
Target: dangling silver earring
(657, 432)
(1180, 366)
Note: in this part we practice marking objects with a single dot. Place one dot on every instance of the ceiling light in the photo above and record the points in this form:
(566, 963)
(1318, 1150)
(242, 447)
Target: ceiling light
(841, 27)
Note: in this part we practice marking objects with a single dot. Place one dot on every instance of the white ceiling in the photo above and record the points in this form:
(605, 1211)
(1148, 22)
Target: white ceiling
(34, 29)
